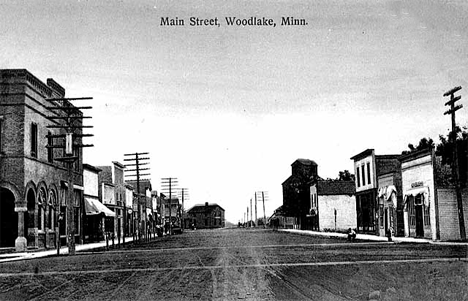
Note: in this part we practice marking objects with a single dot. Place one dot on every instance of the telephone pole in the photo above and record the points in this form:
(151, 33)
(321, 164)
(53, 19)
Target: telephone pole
(184, 195)
(71, 128)
(264, 195)
(168, 185)
(251, 212)
(256, 219)
(137, 160)
(455, 168)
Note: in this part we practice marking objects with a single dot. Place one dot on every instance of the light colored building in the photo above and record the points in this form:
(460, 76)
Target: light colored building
(430, 204)
(94, 210)
(112, 192)
(333, 205)
(130, 211)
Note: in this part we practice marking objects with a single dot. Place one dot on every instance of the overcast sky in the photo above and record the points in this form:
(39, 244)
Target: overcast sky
(226, 110)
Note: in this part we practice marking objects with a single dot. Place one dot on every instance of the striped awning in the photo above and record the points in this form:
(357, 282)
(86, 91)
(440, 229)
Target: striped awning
(94, 207)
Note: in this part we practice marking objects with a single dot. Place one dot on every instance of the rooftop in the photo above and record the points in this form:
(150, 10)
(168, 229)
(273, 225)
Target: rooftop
(334, 187)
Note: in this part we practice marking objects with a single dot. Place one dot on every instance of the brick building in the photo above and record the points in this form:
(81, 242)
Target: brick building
(296, 191)
(367, 168)
(33, 184)
(206, 216)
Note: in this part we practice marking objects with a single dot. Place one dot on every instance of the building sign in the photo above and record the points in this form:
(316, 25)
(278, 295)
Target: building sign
(417, 184)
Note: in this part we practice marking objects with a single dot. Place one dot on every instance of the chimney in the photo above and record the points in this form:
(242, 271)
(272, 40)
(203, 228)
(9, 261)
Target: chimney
(206, 203)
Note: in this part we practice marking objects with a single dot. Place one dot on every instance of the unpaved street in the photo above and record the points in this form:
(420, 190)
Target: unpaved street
(244, 264)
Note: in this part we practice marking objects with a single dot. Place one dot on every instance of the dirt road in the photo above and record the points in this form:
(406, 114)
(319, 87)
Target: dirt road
(243, 264)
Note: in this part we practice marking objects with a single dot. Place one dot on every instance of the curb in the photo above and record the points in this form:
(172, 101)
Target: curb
(373, 238)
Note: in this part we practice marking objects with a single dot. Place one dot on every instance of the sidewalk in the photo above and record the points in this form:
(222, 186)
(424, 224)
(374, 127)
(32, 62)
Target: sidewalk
(51, 252)
(372, 237)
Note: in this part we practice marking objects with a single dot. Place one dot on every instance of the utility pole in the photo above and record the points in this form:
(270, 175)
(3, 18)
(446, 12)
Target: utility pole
(71, 126)
(137, 160)
(184, 195)
(264, 195)
(248, 222)
(256, 219)
(168, 185)
(251, 212)
(455, 168)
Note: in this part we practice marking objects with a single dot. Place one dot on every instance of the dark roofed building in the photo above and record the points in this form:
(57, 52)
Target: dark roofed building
(296, 190)
(206, 216)
(336, 188)
(145, 184)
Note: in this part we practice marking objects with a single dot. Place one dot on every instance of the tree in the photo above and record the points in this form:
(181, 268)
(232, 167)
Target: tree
(345, 175)
(424, 143)
(445, 151)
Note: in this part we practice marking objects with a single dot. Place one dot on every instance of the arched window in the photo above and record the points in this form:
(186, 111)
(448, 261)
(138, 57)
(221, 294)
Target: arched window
(31, 209)
(41, 205)
(52, 203)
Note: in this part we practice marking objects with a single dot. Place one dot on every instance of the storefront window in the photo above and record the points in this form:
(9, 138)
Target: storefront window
(411, 211)
(427, 219)
(381, 212)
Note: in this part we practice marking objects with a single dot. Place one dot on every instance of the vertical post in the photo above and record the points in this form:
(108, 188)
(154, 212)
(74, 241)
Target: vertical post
(139, 214)
(455, 168)
(251, 212)
(256, 219)
(248, 222)
(170, 205)
(264, 216)
(181, 217)
(70, 215)
(334, 210)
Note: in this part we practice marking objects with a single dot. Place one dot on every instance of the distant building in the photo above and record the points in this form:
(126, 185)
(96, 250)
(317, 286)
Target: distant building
(112, 192)
(130, 211)
(367, 168)
(95, 211)
(207, 216)
(296, 191)
(141, 203)
(333, 205)
(33, 185)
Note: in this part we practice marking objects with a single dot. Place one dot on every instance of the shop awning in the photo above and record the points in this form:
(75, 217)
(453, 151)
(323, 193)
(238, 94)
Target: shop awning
(94, 207)
(388, 193)
(424, 191)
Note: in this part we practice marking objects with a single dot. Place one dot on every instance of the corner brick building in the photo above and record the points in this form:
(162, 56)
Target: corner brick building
(33, 184)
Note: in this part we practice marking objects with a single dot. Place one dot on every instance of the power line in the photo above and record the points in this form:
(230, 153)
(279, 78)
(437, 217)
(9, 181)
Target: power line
(135, 160)
(169, 183)
(71, 119)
